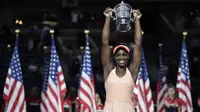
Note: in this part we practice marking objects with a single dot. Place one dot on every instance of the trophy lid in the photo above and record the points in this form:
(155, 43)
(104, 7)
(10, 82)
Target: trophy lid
(122, 5)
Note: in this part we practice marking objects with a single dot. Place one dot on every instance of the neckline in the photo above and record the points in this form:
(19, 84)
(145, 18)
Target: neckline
(117, 75)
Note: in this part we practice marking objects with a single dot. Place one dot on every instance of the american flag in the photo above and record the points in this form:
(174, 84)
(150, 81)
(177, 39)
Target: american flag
(87, 88)
(183, 81)
(54, 87)
(161, 86)
(142, 91)
(14, 96)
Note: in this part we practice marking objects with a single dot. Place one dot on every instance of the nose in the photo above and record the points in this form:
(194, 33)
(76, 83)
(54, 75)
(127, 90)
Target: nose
(121, 57)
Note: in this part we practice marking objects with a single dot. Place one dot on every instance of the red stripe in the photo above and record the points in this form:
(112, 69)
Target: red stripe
(6, 96)
(187, 99)
(162, 96)
(50, 102)
(86, 94)
(140, 108)
(44, 105)
(17, 98)
(184, 92)
(85, 105)
(86, 82)
(53, 92)
(11, 90)
(62, 91)
(9, 76)
(61, 82)
(163, 108)
(142, 95)
(7, 86)
(146, 91)
(180, 89)
(18, 95)
(157, 91)
(162, 99)
(185, 83)
(94, 92)
(22, 106)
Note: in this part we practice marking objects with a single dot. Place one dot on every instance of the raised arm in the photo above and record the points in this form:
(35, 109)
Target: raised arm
(137, 54)
(105, 50)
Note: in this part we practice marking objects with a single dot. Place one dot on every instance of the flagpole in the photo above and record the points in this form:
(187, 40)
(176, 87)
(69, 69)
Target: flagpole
(158, 85)
(87, 33)
(17, 31)
(184, 35)
(52, 33)
(160, 45)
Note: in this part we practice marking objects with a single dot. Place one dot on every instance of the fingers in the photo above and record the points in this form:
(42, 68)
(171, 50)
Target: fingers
(108, 10)
(136, 13)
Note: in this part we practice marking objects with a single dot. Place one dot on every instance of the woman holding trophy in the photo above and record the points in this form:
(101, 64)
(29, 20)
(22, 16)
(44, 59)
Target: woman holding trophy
(120, 72)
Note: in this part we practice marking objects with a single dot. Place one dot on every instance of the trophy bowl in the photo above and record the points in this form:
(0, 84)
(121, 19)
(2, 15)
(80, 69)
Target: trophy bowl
(122, 16)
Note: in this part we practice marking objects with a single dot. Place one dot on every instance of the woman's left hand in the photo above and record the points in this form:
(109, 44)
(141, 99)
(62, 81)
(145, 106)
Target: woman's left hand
(137, 14)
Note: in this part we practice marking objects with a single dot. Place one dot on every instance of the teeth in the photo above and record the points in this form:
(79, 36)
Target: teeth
(121, 61)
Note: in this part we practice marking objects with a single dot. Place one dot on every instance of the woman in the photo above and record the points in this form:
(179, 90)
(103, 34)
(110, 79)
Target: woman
(171, 101)
(119, 75)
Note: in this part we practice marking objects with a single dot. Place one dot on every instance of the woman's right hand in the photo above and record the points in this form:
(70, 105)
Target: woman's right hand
(108, 12)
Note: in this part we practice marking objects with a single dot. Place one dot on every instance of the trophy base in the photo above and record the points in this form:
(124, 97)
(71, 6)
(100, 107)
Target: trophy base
(123, 27)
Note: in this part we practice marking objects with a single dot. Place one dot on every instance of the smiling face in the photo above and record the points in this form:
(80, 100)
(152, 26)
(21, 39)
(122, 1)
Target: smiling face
(121, 58)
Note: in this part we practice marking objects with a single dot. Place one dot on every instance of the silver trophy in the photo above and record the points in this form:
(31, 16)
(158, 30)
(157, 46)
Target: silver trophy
(122, 14)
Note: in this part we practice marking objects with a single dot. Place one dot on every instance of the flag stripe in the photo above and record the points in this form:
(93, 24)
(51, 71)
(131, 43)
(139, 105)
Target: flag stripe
(161, 91)
(54, 87)
(17, 99)
(87, 92)
(183, 82)
(13, 94)
(142, 90)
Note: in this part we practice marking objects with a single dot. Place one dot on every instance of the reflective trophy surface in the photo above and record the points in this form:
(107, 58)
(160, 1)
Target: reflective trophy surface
(122, 14)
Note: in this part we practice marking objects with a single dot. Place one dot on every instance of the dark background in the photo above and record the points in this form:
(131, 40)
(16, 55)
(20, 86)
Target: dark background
(163, 21)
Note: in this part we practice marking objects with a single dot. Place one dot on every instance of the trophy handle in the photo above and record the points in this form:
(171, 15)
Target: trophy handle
(113, 17)
(132, 19)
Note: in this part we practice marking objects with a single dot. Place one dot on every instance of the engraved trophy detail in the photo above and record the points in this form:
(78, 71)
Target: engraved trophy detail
(122, 14)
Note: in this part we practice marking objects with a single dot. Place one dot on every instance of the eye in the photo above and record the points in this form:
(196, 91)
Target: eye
(117, 55)
(125, 54)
